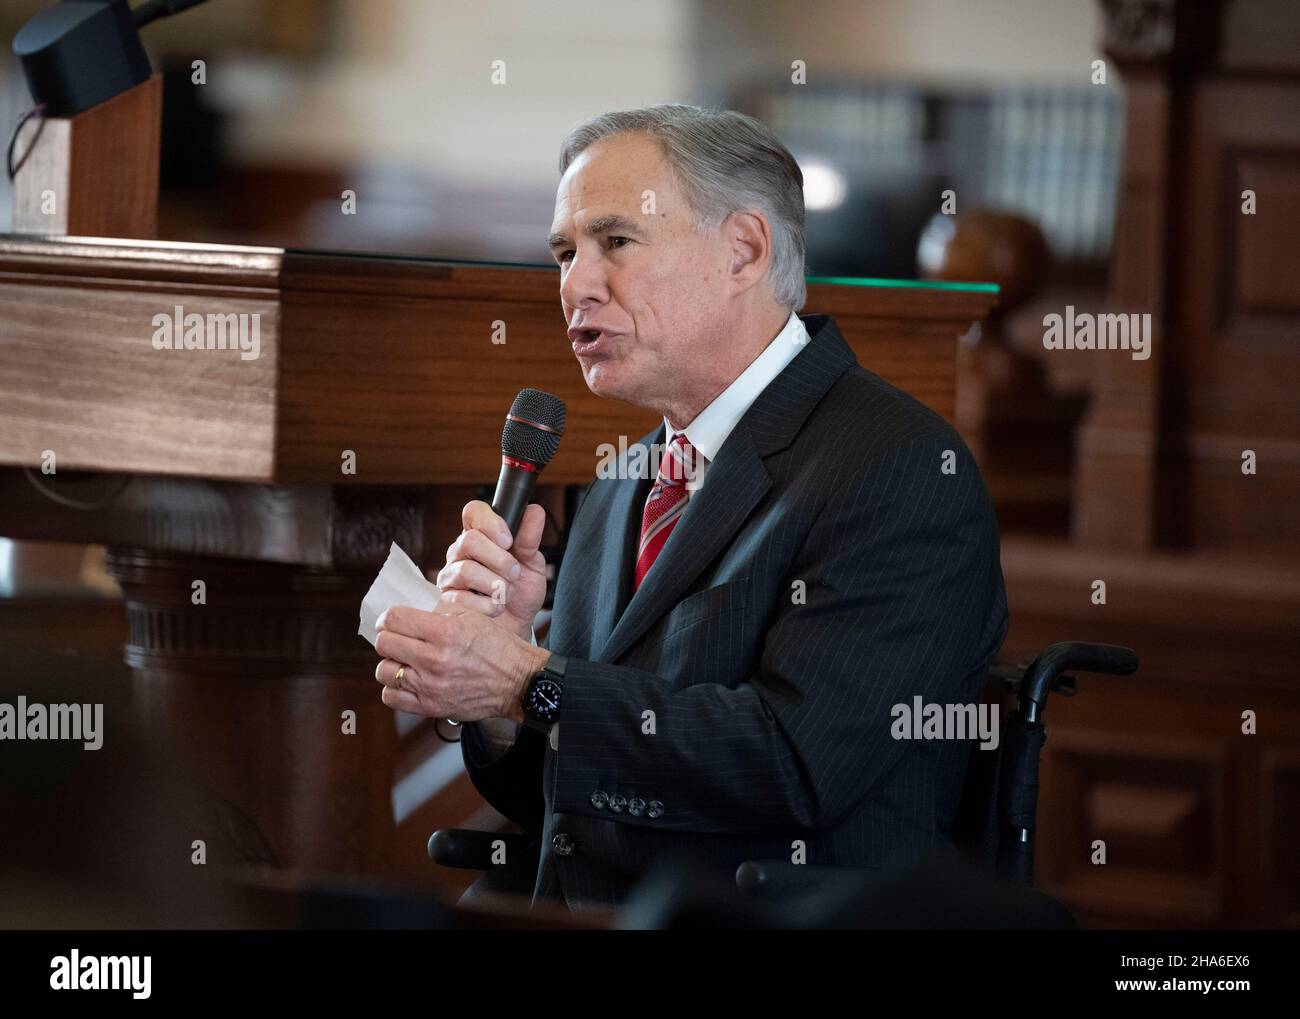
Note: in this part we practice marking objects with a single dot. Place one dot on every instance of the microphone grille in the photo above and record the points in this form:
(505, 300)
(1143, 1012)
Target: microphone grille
(533, 427)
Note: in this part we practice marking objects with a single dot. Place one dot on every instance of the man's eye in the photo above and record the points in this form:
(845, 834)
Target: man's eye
(614, 242)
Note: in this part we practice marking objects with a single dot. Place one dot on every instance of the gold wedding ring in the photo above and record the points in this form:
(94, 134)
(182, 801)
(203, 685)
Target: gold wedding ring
(397, 680)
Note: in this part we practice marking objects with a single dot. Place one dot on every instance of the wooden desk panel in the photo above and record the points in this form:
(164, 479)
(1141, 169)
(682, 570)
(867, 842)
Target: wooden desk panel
(392, 359)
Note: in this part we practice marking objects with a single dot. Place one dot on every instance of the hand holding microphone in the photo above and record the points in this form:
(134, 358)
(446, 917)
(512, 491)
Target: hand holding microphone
(469, 658)
(490, 572)
(495, 567)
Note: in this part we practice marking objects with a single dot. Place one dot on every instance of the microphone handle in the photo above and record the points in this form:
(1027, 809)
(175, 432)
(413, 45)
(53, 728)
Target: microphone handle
(150, 12)
(514, 491)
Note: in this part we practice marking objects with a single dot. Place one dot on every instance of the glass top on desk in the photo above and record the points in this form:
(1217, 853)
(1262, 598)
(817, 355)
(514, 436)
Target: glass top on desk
(843, 281)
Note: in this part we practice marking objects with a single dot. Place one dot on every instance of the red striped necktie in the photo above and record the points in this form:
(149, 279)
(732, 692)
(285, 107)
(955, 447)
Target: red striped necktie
(666, 501)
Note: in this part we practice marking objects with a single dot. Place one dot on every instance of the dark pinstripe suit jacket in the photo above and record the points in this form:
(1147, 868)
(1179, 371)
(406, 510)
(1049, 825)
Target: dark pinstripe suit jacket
(827, 569)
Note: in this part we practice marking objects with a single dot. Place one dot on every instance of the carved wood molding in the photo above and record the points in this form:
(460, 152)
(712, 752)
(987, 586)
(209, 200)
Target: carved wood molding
(365, 522)
(252, 617)
(340, 527)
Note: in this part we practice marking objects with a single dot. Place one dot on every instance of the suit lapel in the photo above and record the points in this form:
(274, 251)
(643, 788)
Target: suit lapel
(734, 485)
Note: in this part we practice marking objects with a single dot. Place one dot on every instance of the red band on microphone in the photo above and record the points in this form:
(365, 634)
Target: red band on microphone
(534, 424)
(523, 465)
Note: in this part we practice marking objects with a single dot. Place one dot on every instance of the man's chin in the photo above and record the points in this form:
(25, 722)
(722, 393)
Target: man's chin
(605, 380)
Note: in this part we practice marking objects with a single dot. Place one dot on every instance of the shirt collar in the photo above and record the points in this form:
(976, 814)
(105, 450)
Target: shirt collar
(715, 422)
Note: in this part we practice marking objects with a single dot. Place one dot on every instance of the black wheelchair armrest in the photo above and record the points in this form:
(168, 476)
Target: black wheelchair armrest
(1040, 677)
(779, 878)
(472, 850)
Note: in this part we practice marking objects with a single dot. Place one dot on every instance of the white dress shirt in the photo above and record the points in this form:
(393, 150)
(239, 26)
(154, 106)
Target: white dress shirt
(715, 422)
(707, 433)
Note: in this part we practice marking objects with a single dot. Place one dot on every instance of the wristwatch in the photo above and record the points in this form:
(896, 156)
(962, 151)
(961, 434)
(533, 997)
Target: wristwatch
(541, 700)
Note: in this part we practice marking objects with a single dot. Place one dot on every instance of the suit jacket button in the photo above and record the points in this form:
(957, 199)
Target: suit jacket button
(617, 803)
(599, 799)
(654, 809)
(563, 844)
(636, 806)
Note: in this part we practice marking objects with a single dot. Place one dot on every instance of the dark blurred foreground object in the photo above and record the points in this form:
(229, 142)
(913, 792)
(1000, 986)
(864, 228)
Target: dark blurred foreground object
(290, 900)
(77, 54)
(106, 839)
(943, 892)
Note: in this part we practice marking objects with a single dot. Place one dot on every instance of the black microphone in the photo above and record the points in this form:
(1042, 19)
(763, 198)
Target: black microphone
(528, 441)
(77, 54)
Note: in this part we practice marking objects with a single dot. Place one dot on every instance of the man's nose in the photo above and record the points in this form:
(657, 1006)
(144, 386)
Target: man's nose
(584, 283)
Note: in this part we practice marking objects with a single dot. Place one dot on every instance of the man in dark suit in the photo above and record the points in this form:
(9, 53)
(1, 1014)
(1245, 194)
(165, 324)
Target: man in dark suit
(734, 627)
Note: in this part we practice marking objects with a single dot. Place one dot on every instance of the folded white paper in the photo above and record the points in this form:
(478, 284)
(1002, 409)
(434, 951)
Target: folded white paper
(400, 582)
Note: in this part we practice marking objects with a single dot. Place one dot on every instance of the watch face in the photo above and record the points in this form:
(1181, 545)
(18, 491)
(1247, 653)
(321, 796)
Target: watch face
(543, 699)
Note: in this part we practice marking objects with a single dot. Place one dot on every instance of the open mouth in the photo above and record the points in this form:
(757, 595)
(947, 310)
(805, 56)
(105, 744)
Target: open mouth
(591, 341)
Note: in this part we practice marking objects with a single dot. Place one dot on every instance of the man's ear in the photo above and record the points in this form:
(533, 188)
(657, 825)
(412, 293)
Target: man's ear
(751, 243)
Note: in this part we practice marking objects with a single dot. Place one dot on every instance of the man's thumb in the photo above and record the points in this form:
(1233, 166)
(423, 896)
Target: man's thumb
(529, 538)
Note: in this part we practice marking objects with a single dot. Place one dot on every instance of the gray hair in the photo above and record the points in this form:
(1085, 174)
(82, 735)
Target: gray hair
(724, 162)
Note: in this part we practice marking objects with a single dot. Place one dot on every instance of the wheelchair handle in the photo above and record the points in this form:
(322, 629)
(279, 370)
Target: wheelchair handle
(470, 849)
(1109, 659)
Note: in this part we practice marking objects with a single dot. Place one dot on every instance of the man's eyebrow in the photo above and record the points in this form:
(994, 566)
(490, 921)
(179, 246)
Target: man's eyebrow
(600, 225)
